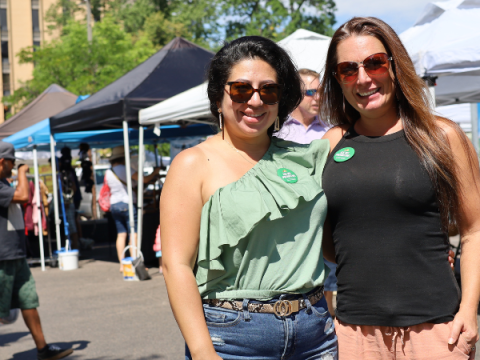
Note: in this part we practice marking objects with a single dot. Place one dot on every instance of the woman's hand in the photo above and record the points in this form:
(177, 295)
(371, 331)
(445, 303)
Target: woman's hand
(465, 324)
(451, 259)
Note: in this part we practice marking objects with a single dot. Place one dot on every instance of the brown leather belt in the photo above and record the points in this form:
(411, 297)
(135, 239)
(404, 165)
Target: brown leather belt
(279, 308)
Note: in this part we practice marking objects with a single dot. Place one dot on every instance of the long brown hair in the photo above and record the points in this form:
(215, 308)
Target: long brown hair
(421, 127)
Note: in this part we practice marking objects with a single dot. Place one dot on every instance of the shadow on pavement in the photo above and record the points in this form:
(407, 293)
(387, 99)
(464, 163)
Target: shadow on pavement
(32, 354)
(6, 339)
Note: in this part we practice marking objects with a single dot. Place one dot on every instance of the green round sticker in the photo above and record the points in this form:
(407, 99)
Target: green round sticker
(344, 154)
(287, 175)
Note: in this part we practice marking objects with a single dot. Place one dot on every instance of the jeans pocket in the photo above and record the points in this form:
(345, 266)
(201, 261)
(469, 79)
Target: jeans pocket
(218, 317)
(320, 309)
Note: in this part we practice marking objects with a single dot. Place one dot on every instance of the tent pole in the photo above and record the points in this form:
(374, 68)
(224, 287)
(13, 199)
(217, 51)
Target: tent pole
(141, 162)
(94, 162)
(474, 117)
(431, 82)
(55, 191)
(128, 170)
(37, 190)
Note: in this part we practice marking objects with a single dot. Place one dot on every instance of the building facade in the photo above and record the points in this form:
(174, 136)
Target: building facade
(22, 24)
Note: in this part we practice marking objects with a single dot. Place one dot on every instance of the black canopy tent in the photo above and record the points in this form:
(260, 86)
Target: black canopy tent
(178, 66)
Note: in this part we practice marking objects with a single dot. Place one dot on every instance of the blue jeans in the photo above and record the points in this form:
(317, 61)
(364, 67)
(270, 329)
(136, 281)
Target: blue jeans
(306, 335)
(120, 215)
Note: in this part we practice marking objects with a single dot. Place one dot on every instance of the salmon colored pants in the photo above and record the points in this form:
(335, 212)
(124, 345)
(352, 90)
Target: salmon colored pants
(420, 342)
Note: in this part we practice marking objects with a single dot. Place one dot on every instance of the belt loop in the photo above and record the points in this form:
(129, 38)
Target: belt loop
(307, 302)
(246, 313)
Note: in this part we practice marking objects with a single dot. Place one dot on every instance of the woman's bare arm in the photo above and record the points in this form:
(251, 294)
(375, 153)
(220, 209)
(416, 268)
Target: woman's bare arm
(467, 167)
(180, 211)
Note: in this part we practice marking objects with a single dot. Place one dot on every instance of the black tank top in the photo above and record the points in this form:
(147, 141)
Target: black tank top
(390, 248)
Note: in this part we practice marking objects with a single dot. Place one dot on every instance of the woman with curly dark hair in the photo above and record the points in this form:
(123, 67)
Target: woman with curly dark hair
(397, 175)
(241, 220)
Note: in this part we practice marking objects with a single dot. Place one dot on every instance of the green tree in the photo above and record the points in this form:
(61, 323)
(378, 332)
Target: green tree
(277, 19)
(79, 66)
(60, 13)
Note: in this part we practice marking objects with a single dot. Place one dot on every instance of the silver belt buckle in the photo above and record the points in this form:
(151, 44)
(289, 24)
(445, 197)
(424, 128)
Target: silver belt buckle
(282, 308)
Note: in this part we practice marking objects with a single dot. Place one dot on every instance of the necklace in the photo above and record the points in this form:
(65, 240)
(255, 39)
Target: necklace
(238, 151)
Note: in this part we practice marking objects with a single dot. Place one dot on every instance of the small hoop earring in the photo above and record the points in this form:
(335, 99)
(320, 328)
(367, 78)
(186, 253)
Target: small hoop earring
(344, 103)
(277, 124)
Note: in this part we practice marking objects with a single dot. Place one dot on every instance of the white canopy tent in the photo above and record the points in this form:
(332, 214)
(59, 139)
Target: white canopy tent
(307, 49)
(445, 43)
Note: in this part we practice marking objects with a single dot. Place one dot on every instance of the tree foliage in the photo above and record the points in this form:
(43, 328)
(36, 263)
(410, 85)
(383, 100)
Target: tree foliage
(276, 19)
(126, 32)
(79, 66)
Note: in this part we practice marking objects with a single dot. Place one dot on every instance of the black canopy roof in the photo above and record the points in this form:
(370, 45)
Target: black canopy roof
(178, 66)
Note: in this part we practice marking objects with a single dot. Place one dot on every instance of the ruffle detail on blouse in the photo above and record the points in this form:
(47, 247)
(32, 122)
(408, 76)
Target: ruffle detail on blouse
(234, 210)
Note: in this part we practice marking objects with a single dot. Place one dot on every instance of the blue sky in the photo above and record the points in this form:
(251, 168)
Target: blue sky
(399, 14)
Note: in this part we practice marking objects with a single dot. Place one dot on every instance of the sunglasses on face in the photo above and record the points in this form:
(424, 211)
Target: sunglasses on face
(376, 64)
(241, 92)
(310, 92)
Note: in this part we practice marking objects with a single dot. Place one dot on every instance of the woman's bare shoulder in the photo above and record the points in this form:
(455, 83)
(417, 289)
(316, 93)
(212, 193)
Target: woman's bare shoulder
(335, 134)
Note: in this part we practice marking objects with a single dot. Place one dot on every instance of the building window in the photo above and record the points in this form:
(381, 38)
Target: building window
(6, 84)
(5, 62)
(3, 19)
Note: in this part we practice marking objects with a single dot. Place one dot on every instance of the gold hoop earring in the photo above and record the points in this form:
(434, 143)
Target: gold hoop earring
(277, 124)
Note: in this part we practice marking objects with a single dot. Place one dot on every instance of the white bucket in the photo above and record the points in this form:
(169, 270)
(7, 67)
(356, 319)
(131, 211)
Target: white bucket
(68, 260)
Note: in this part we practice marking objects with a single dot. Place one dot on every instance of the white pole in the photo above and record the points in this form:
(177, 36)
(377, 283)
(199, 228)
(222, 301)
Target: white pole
(37, 190)
(55, 192)
(94, 162)
(89, 21)
(128, 170)
(474, 117)
(141, 162)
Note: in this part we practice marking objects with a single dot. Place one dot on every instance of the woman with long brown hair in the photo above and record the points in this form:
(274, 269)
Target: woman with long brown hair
(396, 176)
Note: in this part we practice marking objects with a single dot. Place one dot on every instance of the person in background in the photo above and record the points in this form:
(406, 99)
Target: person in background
(303, 126)
(116, 178)
(396, 177)
(71, 194)
(17, 286)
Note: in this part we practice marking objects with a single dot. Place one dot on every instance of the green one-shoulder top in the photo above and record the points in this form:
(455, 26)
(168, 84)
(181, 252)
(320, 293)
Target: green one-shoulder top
(261, 235)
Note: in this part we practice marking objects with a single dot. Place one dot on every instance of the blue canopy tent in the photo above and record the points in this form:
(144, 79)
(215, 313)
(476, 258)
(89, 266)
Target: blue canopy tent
(39, 137)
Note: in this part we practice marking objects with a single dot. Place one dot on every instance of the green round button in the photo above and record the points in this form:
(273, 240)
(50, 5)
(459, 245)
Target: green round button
(344, 154)
(287, 175)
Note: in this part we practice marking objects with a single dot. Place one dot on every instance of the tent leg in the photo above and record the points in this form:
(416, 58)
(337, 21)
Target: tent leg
(55, 191)
(474, 116)
(128, 170)
(141, 162)
(37, 190)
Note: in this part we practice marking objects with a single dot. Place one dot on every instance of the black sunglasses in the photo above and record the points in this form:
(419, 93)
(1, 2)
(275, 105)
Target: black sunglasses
(241, 92)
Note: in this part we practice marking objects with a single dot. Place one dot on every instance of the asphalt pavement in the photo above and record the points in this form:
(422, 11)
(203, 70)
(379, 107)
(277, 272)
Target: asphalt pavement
(100, 315)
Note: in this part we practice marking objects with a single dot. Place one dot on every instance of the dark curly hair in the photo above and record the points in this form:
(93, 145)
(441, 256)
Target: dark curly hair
(255, 47)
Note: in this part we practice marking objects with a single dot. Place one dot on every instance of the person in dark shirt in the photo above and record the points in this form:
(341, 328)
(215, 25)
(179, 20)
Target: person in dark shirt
(17, 286)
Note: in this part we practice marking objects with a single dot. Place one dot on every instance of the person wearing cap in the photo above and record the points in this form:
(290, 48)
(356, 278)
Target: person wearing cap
(116, 178)
(17, 286)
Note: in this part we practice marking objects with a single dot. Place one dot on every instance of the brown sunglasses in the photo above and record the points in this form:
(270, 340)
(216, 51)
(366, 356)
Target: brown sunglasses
(241, 92)
(375, 64)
